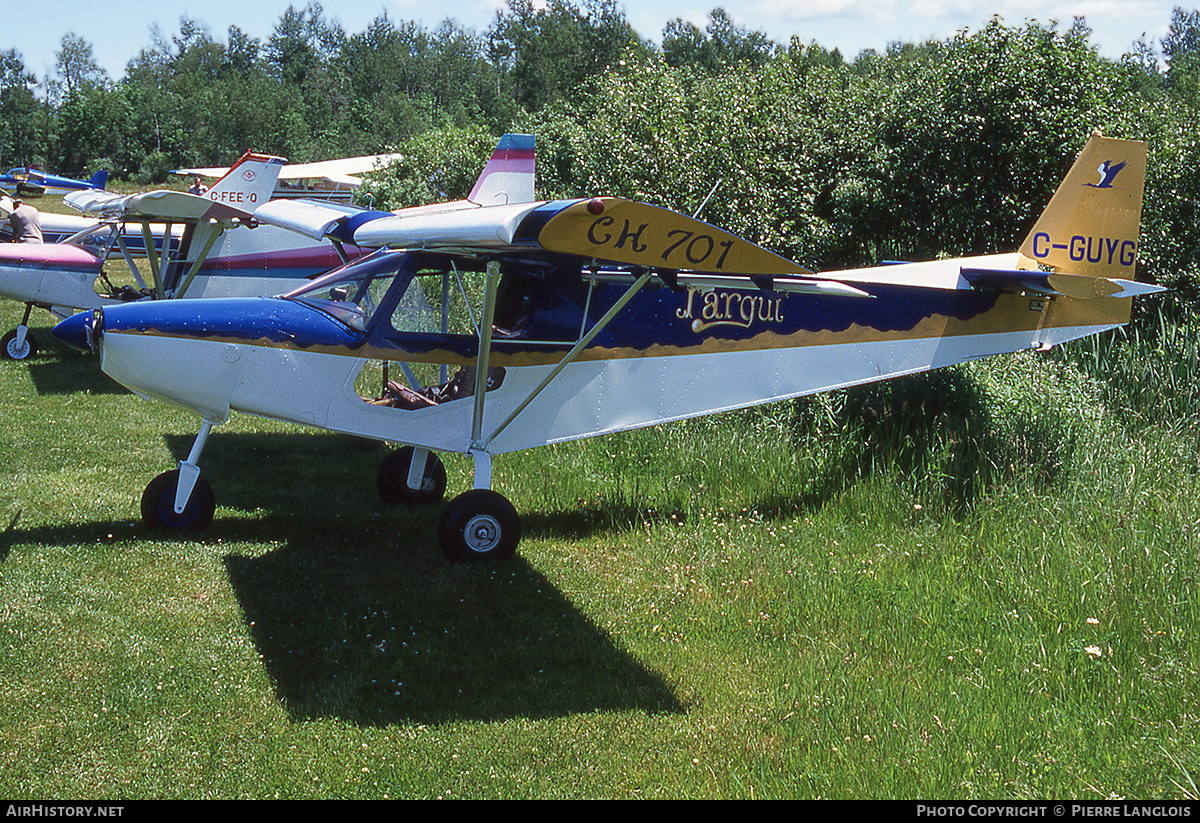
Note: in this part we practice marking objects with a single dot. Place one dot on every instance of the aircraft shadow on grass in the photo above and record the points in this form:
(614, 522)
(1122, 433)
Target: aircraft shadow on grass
(374, 633)
(380, 639)
(358, 616)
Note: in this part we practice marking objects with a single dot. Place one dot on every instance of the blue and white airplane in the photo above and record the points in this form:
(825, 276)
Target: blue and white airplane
(26, 180)
(525, 323)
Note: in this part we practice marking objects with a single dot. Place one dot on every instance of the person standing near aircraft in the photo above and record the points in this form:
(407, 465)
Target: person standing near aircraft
(197, 187)
(25, 222)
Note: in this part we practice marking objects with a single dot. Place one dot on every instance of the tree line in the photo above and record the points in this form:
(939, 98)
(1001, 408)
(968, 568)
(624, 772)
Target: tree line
(923, 149)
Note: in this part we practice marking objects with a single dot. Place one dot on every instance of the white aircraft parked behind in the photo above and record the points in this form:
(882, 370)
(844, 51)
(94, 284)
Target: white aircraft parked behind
(322, 179)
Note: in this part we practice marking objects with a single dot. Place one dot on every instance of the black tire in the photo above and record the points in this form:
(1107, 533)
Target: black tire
(479, 525)
(8, 344)
(158, 505)
(392, 479)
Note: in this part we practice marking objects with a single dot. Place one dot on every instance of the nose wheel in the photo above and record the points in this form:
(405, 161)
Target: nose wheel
(158, 505)
(19, 344)
(479, 525)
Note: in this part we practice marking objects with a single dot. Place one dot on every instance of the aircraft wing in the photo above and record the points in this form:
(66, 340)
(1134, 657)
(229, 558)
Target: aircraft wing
(343, 171)
(159, 206)
(612, 230)
(684, 252)
(315, 219)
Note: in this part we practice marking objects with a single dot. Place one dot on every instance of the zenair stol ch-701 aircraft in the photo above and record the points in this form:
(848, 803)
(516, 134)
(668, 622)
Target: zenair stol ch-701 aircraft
(569, 319)
(31, 181)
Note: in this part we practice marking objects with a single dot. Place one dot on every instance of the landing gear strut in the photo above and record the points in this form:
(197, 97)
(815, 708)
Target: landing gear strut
(19, 344)
(181, 500)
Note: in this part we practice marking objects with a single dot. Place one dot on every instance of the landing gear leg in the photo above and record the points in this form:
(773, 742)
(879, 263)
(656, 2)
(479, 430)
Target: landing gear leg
(181, 500)
(480, 524)
(19, 343)
(411, 476)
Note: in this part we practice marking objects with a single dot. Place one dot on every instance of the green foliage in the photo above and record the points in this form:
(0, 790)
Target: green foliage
(721, 46)
(550, 52)
(436, 166)
(155, 168)
(24, 122)
(1181, 48)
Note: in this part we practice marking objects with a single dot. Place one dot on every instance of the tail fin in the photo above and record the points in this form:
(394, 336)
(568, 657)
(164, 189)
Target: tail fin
(248, 183)
(509, 174)
(99, 180)
(1092, 223)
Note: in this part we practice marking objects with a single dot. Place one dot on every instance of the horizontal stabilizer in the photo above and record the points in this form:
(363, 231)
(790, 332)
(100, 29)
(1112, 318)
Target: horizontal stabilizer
(1081, 287)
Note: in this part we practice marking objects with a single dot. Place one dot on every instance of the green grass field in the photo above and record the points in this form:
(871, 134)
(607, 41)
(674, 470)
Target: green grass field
(977, 584)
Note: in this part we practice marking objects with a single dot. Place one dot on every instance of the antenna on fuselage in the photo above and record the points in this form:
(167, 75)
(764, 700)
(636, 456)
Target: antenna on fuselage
(703, 203)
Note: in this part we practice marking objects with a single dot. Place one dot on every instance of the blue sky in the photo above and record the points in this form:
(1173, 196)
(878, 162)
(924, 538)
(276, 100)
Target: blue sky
(118, 32)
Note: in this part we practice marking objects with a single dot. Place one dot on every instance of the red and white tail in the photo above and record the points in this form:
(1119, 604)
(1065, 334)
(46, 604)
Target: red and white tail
(248, 183)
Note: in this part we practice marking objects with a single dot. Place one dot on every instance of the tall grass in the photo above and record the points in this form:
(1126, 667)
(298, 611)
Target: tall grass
(1150, 367)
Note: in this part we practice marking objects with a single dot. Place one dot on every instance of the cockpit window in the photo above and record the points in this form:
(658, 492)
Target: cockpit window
(354, 292)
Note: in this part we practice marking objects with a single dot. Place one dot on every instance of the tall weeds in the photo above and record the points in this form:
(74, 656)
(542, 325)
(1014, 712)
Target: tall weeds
(1150, 368)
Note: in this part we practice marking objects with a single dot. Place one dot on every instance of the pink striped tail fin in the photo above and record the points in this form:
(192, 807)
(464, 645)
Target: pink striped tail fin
(509, 174)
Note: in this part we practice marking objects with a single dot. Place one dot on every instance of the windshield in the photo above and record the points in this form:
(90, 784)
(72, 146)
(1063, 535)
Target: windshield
(353, 293)
(92, 238)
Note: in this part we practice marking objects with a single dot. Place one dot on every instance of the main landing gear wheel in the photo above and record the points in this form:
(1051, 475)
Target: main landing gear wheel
(158, 505)
(392, 479)
(479, 525)
(13, 351)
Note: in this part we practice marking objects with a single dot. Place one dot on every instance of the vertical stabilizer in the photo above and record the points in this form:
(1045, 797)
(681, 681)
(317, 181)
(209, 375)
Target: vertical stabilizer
(509, 174)
(1092, 223)
(248, 183)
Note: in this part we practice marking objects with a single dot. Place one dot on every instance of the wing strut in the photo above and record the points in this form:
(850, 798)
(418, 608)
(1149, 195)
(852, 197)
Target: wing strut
(137, 275)
(217, 231)
(485, 349)
(152, 257)
(570, 356)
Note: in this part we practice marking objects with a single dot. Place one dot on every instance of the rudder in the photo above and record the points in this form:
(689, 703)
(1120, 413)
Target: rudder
(508, 176)
(249, 182)
(1092, 223)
